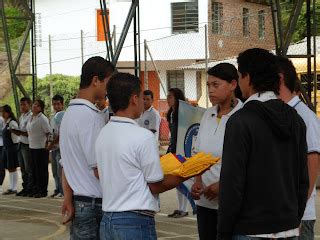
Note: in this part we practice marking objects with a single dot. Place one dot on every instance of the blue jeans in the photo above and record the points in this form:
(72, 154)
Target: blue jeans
(86, 222)
(307, 230)
(56, 170)
(127, 226)
(243, 237)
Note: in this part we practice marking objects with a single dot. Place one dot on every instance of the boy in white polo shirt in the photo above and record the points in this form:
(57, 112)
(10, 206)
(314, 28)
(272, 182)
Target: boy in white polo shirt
(150, 118)
(79, 130)
(288, 81)
(129, 166)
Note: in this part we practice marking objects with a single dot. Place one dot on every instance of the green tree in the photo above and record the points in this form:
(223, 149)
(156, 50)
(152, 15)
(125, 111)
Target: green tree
(16, 27)
(301, 28)
(66, 86)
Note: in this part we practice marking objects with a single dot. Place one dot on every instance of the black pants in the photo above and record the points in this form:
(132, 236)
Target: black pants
(2, 170)
(207, 223)
(40, 158)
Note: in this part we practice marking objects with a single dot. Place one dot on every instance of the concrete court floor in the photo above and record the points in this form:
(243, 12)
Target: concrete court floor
(31, 219)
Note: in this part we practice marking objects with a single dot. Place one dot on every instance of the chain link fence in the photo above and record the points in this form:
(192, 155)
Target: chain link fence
(170, 56)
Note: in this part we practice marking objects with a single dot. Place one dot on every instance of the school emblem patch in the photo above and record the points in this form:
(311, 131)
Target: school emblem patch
(190, 139)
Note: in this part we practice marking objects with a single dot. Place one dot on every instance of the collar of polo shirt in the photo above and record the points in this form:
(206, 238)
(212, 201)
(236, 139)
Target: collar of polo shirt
(81, 101)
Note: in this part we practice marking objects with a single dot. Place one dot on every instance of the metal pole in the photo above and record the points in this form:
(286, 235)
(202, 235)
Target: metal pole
(9, 56)
(315, 79)
(82, 54)
(109, 40)
(146, 80)
(279, 19)
(274, 20)
(131, 14)
(207, 62)
(157, 71)
(139, 42)
(309, 74)
(33, 53)
(50, 70)
(114, 38)
(104, 28)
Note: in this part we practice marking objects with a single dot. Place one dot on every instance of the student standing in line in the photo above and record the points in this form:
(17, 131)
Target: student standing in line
(79, 130)
(129, 166)
(288, 82)
(174, 95)
(53, 146)
(150, 118)
(10, 148)
(264, 176)
(222, 84)
(38, 129)
(2, 169)
(24, 151)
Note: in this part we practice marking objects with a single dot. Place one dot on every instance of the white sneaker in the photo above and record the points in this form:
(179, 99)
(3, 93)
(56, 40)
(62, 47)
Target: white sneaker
(58, 196)
(1, 189)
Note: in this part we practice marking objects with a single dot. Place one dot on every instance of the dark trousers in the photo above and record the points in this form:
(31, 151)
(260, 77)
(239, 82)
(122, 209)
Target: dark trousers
(25, 164)
(207, 223)
(2, 170)
(40, 158)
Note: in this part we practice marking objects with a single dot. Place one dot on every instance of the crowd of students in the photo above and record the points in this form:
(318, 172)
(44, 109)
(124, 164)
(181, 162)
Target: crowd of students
(267, 138)
(27, 143)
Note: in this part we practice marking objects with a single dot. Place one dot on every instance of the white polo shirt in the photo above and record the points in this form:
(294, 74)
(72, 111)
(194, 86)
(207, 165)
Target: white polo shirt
(38, 127)
(55, 123)
(79, 130)
(23, 121)
(127, 162)
(313, 142)
(210, 140)
(150, 119)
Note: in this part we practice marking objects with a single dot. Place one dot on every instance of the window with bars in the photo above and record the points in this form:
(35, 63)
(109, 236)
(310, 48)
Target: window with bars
(185, 17)
(175, 79)
(262, 24)
(245, 22)
(217, 17)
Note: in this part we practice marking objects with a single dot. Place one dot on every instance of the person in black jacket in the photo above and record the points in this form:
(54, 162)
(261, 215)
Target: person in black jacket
(264, 176)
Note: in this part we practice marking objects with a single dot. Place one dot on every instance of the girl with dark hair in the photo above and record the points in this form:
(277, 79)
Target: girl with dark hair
(174, 95)
(10, 148)
(38, 129)
(222, 88)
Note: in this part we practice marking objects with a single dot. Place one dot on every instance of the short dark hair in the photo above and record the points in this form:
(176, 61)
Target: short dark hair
(58, 97)
(285, 66)
(261, 66)
(25, 99)
(95, 66)
(41, 104)
(148, 93)
(120, 88)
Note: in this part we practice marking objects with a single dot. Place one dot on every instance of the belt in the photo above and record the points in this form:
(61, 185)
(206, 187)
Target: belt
(87, 199)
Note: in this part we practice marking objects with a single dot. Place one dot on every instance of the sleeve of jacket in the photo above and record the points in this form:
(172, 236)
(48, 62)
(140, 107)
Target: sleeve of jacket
(303, 172)
(236, 151)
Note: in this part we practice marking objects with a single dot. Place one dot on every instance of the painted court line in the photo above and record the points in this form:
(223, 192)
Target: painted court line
(177, 224)
(166, 215)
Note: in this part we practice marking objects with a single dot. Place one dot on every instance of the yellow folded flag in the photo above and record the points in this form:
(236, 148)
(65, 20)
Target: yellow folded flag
(187, 167)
